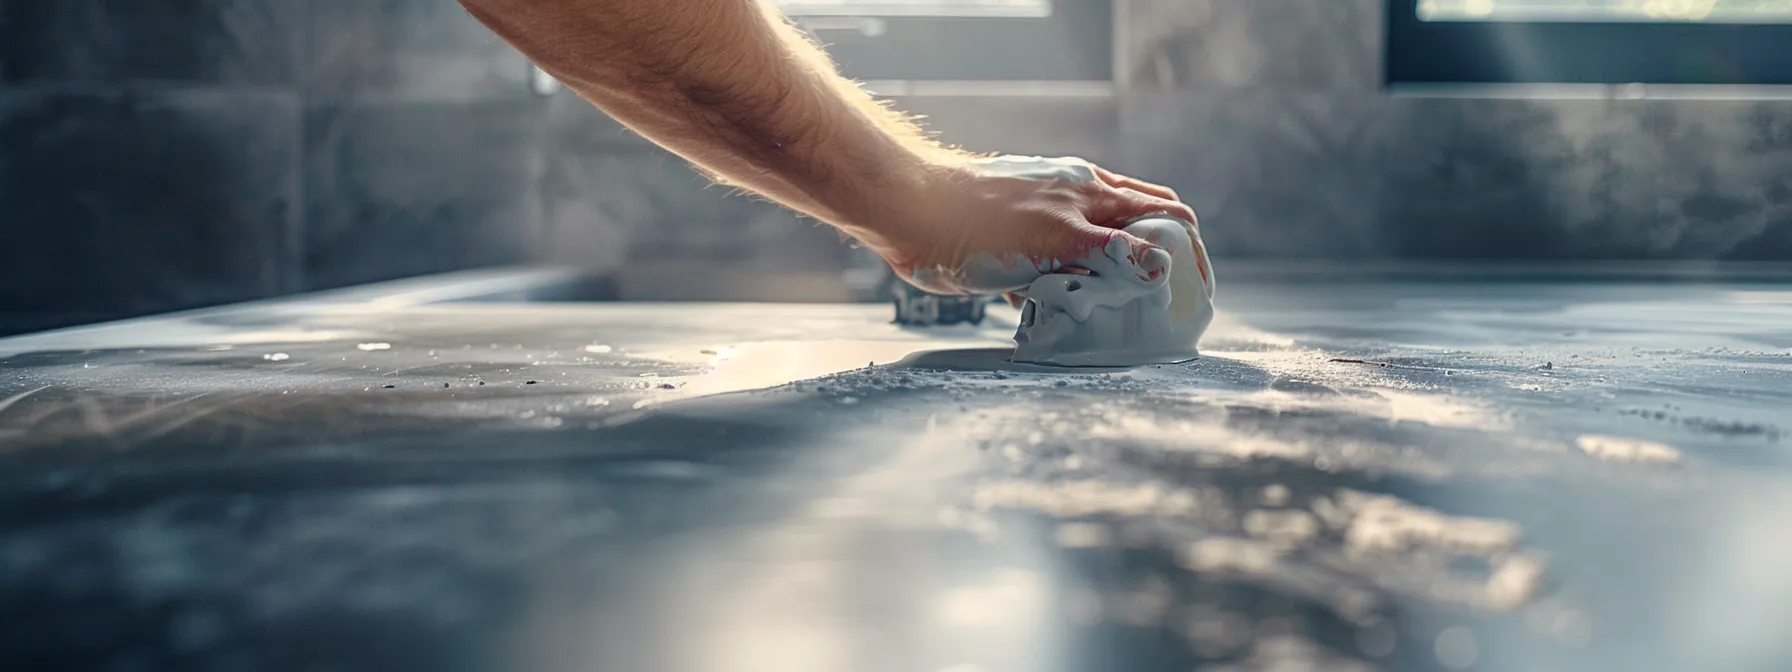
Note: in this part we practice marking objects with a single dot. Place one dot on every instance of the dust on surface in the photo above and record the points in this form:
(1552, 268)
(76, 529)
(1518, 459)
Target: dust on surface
(1494, 497)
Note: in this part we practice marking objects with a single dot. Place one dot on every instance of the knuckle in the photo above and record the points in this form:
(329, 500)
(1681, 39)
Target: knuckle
(1149, 203)
(1094, 187)
(1076, 171)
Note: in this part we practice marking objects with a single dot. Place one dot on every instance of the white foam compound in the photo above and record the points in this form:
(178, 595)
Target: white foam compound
(1123, 313)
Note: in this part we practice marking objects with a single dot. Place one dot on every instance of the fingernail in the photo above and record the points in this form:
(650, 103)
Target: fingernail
(1119, 247)
(1127, 248)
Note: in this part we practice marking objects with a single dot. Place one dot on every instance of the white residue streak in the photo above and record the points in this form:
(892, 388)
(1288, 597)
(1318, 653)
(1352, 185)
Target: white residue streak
(1383, 523)
(1076, 499)
(1289, 527)
(276, 356)
(1391, 405)
(370, 347)
(994, 603)
(1626, 450)
(599, 349)
(1514, 581)
(1389, 533)
(1230, 554)
(1084, 535)
(1191, 435)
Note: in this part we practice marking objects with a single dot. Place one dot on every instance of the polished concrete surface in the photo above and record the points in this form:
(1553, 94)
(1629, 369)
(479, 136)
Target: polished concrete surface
(1403, 472)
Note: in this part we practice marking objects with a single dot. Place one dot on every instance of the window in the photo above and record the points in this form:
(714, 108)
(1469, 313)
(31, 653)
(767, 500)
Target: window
(967, 47)
(1606, 11)
(935, 8)
(1607, 42)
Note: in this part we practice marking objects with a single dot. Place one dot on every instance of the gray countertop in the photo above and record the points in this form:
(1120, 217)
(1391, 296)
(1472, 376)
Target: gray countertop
(1396, 472)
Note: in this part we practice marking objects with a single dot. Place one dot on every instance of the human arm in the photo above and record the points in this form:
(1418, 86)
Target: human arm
(735, 89)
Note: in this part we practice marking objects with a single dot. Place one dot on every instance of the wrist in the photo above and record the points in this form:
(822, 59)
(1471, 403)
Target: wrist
(896, 208)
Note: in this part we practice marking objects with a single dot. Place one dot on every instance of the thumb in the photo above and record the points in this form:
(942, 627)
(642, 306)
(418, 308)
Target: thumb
(1126, 257)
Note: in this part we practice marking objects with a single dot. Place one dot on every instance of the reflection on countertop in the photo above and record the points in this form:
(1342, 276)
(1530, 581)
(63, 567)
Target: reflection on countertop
(1386, 473)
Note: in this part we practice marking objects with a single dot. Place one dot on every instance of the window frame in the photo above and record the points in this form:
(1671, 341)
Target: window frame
(1420, 54)
(1071, 48)
(940, 8)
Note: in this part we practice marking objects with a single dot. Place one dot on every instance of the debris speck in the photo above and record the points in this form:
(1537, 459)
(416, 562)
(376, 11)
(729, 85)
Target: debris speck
(388, 387)
(370, 347)
(667, 386)
(1349, 360)
(444, 386)
(531, 382)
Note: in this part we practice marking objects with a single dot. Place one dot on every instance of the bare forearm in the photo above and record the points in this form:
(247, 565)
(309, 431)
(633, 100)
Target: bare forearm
(732, 87)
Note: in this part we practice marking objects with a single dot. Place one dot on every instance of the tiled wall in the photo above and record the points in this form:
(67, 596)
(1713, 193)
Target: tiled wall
(1266, 115)
(161, 155)
(148, 156)
(164, 155)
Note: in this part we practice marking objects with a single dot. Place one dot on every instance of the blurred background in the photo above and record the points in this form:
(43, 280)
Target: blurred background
(163, 155)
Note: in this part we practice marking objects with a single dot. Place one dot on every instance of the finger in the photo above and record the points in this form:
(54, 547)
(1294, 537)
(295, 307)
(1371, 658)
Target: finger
(1129, 258)
(1179, 210)
(1117, 180)
(1074, 237)
(1120, 207)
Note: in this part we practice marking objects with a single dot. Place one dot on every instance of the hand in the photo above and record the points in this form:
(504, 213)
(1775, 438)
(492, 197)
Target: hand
(995, 225)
